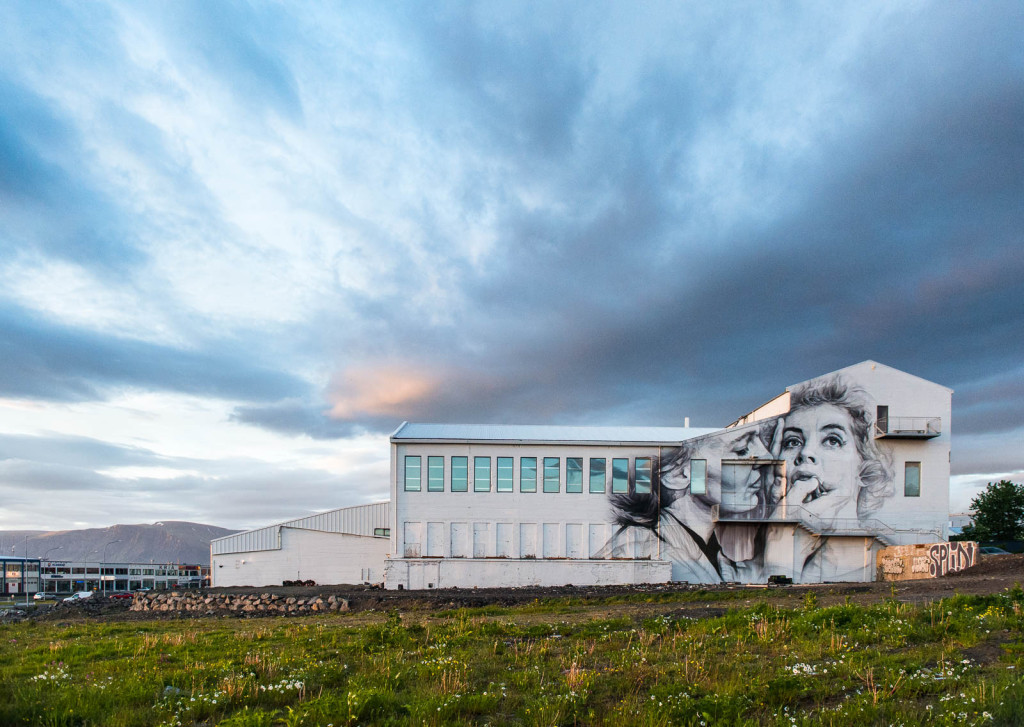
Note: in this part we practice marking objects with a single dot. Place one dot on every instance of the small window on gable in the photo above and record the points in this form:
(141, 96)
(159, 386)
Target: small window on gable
(698, 476)
(912, 479)
(412, 473)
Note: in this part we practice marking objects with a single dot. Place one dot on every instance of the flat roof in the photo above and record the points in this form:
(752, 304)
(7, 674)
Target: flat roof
(545, 433)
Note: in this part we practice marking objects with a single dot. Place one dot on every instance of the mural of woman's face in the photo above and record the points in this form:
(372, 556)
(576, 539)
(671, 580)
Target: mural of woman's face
(744, 488)
(818, 444)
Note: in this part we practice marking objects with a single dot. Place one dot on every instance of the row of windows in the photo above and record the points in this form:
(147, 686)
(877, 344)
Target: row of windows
(624, 478)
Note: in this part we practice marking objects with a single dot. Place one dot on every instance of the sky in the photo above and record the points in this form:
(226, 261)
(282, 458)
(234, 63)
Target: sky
(240, 243)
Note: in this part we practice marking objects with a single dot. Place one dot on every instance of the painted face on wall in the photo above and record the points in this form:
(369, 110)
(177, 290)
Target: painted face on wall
(819, 446)
(740, 488)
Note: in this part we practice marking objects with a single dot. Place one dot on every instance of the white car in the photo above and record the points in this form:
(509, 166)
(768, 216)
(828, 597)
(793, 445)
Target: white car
(79, 596)
(40, 596)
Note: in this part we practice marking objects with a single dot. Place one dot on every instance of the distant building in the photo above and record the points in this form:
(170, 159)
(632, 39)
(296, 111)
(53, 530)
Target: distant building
(58, 577)
(19, 574)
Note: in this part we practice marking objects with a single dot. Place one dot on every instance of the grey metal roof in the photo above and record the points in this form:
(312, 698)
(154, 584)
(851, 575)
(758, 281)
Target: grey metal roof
(544, 433)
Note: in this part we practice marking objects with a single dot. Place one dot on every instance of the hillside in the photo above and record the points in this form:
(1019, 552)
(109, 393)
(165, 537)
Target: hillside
(169, 541)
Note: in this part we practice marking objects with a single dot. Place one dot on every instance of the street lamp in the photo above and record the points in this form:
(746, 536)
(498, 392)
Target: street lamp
(103, 581)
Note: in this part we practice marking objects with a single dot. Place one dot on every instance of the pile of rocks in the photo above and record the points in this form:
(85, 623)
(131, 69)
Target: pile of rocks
(210, 604)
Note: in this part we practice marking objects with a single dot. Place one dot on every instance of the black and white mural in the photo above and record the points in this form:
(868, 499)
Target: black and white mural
(780, 496)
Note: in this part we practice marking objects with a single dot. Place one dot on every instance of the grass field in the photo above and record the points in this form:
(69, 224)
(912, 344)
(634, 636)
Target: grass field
(951, 662)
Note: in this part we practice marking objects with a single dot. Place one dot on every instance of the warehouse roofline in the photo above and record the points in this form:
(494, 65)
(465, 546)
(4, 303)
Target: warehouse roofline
(546, 434)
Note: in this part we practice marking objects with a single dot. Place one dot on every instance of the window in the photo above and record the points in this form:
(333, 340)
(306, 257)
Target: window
(460, 474)
(435, 474)
(643, 475)
(481, 474)
(527, 474)
(597, 478)
(698, 476)
(620, 475)
(574, 474)
(552, 480)
(412, 473)
(505, 465)
(912, 479)
(382, 531)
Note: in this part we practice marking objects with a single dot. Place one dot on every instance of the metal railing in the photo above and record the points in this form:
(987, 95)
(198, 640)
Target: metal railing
(925, 426)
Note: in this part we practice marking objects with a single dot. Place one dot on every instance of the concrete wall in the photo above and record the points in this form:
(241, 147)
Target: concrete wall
(925, 560)
(419, 573)
(326, 558)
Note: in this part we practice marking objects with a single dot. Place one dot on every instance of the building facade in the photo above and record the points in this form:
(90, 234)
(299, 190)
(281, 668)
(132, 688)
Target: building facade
(810, 486)
(345, 545)
(64, 577)
(19, 575)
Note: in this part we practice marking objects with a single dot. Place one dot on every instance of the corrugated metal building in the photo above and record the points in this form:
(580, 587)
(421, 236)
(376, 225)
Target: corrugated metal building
(346, 545)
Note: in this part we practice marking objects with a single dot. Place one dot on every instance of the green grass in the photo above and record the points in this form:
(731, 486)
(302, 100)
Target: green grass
(556, 662)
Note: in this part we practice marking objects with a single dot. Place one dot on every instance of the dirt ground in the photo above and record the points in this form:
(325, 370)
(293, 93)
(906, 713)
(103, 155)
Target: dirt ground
(991, 575)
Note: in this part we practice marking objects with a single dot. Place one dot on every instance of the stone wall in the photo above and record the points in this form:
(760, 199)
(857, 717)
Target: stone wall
(926, 560)
(211, 604)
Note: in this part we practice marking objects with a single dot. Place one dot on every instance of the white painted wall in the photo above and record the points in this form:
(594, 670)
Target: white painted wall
(921, 519)
(587, 514)
(327, 558)
(462, 572)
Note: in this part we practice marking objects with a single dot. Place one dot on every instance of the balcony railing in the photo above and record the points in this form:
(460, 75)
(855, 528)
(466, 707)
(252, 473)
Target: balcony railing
(908, 428)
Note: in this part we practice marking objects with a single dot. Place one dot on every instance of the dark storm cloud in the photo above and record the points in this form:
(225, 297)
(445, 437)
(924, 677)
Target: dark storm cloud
(896, 238)
(48, 361)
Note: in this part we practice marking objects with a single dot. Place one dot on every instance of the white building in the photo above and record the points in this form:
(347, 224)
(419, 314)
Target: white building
(59, 577)
(809, 485)
(347, 545)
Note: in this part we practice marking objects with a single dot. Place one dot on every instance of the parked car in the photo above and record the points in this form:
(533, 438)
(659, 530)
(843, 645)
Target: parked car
(79, 596)
(121, 595)
(993, 550)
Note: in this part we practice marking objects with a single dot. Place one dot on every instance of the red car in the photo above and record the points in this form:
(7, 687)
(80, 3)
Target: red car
(121, 595)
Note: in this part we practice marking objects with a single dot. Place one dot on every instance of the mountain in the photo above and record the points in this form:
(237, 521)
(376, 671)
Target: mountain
(169, 541)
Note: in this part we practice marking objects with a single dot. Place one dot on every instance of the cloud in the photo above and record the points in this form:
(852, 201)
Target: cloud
(336, 219)
(51, 362)
(75, 451)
